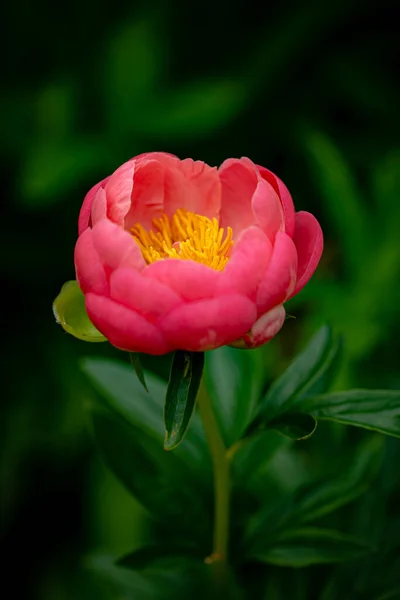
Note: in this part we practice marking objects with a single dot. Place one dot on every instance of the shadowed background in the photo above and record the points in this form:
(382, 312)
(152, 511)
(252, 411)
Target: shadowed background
(307, 90)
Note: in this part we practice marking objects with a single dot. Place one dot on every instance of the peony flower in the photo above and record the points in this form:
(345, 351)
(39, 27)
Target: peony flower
(174, 254)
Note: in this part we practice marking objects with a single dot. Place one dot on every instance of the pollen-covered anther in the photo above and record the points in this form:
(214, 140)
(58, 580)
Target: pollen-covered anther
(186, 236)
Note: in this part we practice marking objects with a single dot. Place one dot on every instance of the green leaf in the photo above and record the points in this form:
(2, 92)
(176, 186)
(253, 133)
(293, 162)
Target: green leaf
(70, 312)
(308, 369)
(345, 205)
(235, 380)
(324, 497)
(124, 394)
(297, 426)
(309, 546)
(160, 481)
(183, 385)
(138, 368)
(160, 556)
(377, 410)
(153, 582)
(194, 110)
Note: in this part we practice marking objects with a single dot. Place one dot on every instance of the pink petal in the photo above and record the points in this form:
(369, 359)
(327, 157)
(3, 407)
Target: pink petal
(84, 215)
(99, 206)
(147, 200)
(247, 265)
(207, 324)
(116, 247)
(204, 197)
(239, 182)
(123, 327)
(285, 197)
(267, 209)
(119, 191)
(146, 296)
(309, 241)
(280, 277)
(263, 330)
(89, 270)
(191, 280)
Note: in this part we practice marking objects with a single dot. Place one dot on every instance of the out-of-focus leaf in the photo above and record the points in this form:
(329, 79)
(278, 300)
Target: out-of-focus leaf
(180, 583)
(124, 394)
(160, 556)
(194, 111)
(53, 168)
(183, 385)
(309, 546)
(70, 312)
(296, 426)
(138, 368)
(254, 452)
(134, 70)
(235, 380)
(342, 199)
(160, 481)
(378, 410)
(324, 497)
(316, 361)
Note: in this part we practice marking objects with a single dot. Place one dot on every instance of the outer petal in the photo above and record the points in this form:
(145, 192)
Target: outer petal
(89, 269)
(119, 192)
(309, 241)
(263, 330)
(280, 278)
(247, 265)
(267, 209)
(239, 182)
(208, 324)
(84, 215)
(146, 296)
(123, 327)
(116, 247)
(147, 194)
(285, 197)
(191, 280)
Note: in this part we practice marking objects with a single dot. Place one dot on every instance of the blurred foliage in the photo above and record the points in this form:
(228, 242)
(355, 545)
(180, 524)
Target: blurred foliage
(308, 90)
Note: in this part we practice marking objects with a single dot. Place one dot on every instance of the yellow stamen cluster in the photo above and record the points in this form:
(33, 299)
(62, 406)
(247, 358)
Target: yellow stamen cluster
(186, 236)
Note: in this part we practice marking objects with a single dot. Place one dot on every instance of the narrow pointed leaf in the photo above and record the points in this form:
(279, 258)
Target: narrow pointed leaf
(138, 368)
(311, 545)
(377, 410)
(296, 426)
(70, 312)
(183, 385)
(309, 369)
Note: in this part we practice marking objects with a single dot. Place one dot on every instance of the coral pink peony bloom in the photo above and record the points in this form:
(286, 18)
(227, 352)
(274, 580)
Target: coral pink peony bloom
(175, 254)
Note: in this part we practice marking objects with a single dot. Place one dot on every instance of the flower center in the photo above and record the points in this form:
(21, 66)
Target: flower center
(186, 236)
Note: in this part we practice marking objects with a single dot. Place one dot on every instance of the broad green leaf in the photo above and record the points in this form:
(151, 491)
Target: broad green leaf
(120, 388)
(309, 546)
(308, 368)
(297, 426)
(324, 497)
(183, 385)
(70, 312)
(377, 410)
(138, 368)
(160, 481)
(235, 380)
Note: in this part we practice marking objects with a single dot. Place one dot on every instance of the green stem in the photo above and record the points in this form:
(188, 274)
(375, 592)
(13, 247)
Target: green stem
(221, 476)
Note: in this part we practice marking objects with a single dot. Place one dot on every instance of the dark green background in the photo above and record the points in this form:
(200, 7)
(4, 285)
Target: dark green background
(306, 89)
